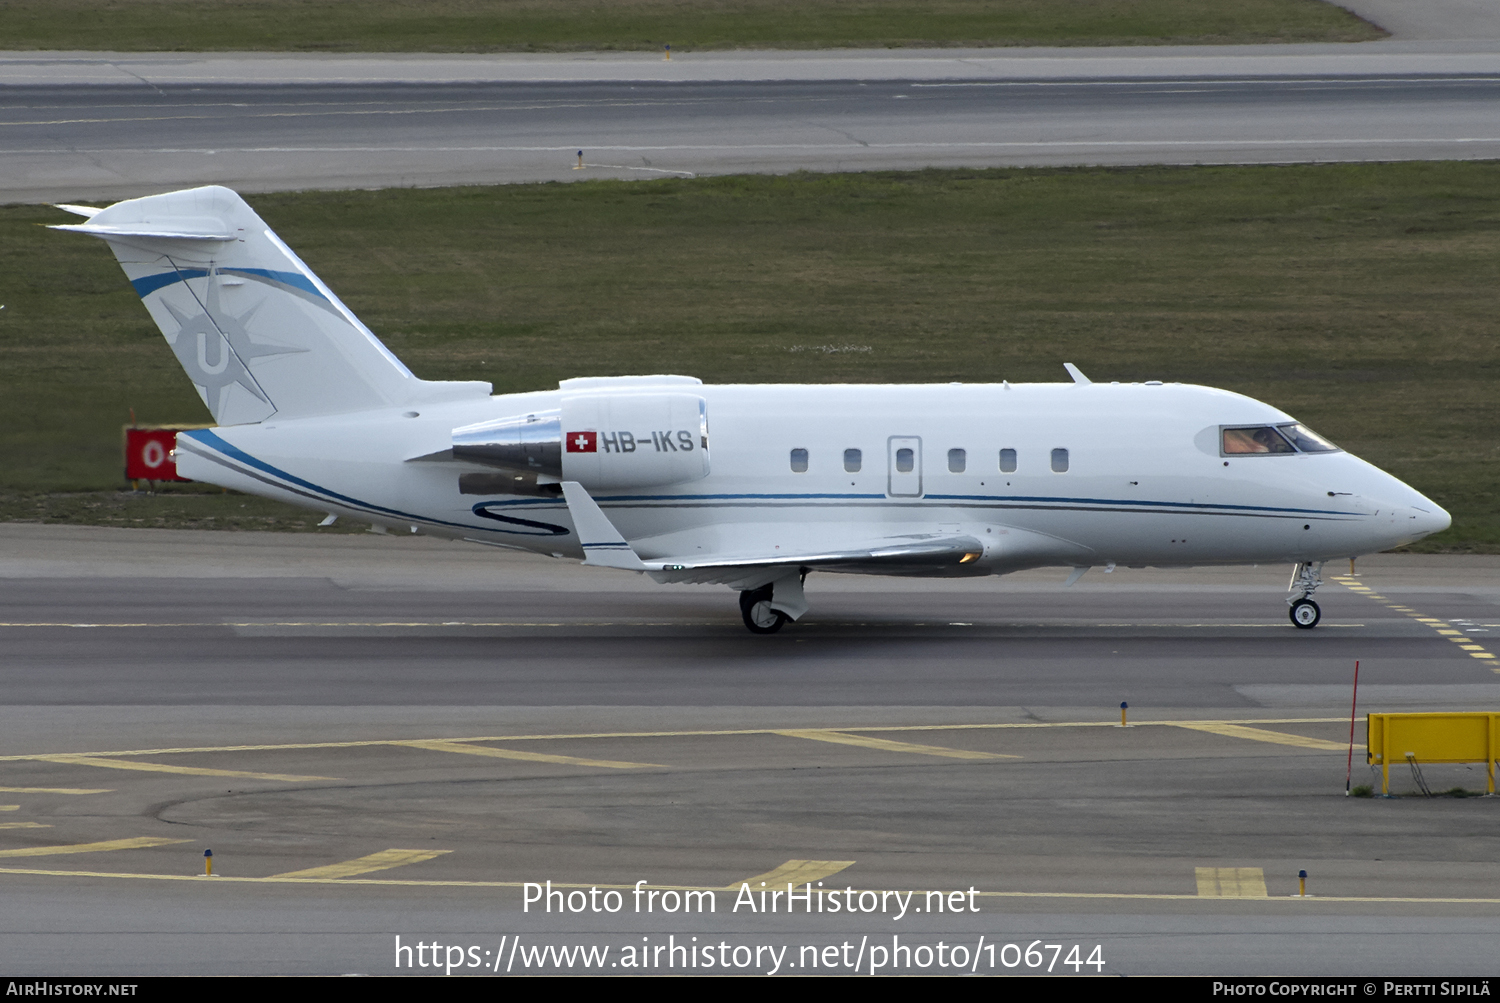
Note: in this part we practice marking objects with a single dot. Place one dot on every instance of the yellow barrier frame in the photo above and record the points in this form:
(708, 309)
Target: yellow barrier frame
(1460, 737)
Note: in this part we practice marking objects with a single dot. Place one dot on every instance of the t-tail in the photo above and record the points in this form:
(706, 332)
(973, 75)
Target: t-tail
(257, 332)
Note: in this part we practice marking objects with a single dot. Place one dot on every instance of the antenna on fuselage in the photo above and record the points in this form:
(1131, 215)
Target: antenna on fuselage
(1077, 374)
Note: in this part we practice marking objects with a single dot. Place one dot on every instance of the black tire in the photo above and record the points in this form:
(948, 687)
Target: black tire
(1305, 614)
(760, 618)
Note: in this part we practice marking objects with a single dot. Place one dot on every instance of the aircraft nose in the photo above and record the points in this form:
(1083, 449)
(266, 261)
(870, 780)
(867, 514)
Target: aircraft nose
(1430, 520)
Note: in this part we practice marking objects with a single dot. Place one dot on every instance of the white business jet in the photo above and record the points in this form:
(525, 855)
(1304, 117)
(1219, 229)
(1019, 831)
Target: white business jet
(951, 480)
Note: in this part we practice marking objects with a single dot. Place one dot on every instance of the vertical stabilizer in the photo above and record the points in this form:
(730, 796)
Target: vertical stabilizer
(256, 331)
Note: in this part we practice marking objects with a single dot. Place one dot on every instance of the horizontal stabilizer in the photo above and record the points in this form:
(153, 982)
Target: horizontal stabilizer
(78, 210)
(205, 229)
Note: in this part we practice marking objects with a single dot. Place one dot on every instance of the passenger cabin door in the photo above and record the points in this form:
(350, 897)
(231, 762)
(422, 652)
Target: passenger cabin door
(904, 461)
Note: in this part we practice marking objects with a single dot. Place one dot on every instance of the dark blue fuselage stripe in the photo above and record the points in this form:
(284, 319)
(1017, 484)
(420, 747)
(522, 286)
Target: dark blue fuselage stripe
(296, 279)
(148, 285)
(1129, 504)
(207, 437)
(151, 283)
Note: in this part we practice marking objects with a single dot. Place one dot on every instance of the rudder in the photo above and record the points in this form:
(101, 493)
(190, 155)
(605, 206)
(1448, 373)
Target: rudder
(256, 331)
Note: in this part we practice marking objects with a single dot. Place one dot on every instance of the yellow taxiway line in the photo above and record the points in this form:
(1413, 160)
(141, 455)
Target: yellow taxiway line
(410, 883)
(463, 748)
(885, 744)
(694, 733)
(382, 861)
(137, 843)
(797, 872)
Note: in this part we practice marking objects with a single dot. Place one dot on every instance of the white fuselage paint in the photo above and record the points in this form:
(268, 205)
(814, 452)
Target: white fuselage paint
(1145, 484)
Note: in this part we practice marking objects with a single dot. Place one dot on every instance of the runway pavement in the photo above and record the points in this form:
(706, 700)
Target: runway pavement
(97, 126)
(385, 737)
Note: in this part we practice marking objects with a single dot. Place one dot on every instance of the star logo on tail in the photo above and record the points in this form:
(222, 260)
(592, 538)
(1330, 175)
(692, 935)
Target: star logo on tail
(216, 349)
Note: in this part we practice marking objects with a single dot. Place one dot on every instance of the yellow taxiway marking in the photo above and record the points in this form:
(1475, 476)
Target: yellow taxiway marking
(1261, 735)
(466, 749)
(885, 744)
(1231, 882)
(197, 771)
(23, 825)
(797, 872)
(413, 883)
(9, 807)
(382, 861)
(1443, 628)
(94, 757)
(138, 843)
(56, 790)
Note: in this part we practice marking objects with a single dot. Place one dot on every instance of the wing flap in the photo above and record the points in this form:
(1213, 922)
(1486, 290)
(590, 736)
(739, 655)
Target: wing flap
(604, 545)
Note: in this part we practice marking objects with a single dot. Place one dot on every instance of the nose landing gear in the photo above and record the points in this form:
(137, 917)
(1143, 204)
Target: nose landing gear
(1305, 614)
(1305, 581)
(755, 607)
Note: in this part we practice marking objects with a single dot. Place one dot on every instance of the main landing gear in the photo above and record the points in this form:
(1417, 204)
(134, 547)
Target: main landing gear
(1305, 581)
(755, 607)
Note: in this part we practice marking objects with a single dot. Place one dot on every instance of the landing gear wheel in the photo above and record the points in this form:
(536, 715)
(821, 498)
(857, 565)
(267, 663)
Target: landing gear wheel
(1305, 614)
(755, 607)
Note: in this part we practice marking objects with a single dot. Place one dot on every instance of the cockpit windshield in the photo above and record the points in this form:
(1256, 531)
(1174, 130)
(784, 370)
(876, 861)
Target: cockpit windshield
(1307, 440)
(1265, 439)
(1291, 438)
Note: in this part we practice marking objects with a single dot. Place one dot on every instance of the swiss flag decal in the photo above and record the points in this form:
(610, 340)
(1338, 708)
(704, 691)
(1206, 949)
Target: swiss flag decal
(583, 442)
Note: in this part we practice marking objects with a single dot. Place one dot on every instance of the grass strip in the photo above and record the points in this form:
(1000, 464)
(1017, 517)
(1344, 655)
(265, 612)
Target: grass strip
(1358, 297)
(686, 25)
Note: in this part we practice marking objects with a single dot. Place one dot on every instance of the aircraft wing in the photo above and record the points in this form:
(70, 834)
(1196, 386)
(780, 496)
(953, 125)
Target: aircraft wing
(910, 555)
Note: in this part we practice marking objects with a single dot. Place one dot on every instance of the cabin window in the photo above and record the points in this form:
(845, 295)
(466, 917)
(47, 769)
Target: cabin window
(905, 461)
(1059, 461)
(1307, 440)
(1007, 461)
(799, 461)
(1248, 441)
(957, 460)
(853, 460)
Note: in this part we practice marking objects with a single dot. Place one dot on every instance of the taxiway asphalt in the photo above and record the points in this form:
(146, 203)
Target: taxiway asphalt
(382, 736)
(95, 126)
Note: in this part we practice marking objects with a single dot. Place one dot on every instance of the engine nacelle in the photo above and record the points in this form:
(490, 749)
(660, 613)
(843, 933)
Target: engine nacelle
(602, 441)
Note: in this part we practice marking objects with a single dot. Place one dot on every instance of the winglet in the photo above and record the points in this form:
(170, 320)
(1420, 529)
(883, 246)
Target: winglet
(1077, 374)
(602, 543)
